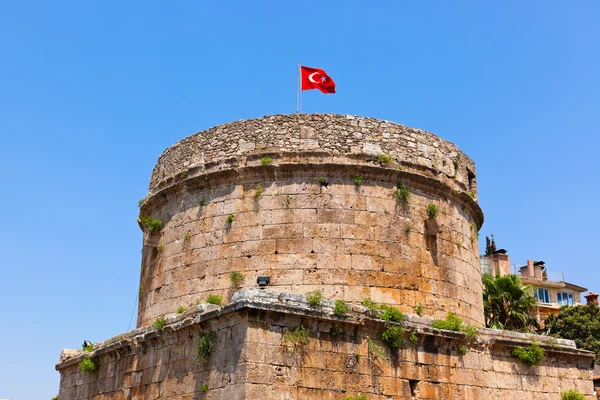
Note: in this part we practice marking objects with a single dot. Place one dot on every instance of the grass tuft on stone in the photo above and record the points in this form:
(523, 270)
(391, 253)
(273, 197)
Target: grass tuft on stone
(572, 394)
(215, 299)
(359, 396)
(402, 194)
(340, 307)
(419, 309)
(152, 224)
(159, 323)
(530, 355)
(391, 314)
(393, 336)
(314, 299)
(236, 278)
(432, 210)
(266, 160)
(372, 307)
(88, 364)
(206, 342)
(336, 329)
(258, 190)
(298, 336)
(384, 159)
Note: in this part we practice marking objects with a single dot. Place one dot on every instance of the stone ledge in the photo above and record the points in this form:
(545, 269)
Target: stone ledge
(295, 304)
(201, 177)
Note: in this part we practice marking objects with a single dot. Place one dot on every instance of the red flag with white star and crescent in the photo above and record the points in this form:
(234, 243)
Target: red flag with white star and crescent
(315, 78)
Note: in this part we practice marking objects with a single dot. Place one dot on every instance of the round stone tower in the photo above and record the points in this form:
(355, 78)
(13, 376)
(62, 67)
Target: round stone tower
(315, 202)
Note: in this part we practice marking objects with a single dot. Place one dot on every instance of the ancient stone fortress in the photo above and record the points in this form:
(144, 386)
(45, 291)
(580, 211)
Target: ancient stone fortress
(353, 208)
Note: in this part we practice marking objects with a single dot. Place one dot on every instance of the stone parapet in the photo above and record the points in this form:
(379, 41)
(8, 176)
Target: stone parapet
(329, 135)
(253, 358)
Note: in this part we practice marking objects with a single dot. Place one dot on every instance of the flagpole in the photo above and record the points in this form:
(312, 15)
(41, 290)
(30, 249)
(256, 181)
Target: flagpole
(298, 91)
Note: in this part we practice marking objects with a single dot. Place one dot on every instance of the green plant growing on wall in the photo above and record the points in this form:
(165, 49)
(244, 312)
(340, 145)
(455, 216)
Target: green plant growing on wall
(88, 364)
(407, 228)
(184, 175)
(452, 322)
(314, 299)
(298, 336)
(472, 194)
(371, 306)
(474, 232)
(419, 309)
(322, 181)
(89, 347)
(55, 398)
(229, 219)
(336, 329)
(572, 394)
(384, 159)
(180, 310)
(202, 201)
(236, 278)
(359, 396)
(358, 180)
(413, 339)
(340, 307)
(288, 199)
(462, 349)
(530, 355)
(375, 350)
(159, 248)
(206, 342)
(215, 299)
(160, 323)
(141, 203)
(393, 336)
(391, 314)
(266, 160)
(459, 244)
(204, 388)
(432, 210)
(258, 190)
(402, 194)
(152, 224)
(187, 236)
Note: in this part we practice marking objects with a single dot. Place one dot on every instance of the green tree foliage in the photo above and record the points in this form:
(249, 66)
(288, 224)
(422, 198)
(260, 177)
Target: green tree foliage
(508, 304)
(579, 323)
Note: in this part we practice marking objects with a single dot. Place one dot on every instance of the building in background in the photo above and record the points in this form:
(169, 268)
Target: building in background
(551, 289)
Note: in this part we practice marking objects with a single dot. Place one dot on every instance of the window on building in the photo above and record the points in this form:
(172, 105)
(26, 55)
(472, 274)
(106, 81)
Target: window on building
(486, 267)
(566, 299)
(543, 295)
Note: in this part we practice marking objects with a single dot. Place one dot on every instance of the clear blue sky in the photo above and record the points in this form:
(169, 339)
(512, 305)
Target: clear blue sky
(92, 92)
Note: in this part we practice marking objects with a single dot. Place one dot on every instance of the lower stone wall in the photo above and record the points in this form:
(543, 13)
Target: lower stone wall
(253, 358)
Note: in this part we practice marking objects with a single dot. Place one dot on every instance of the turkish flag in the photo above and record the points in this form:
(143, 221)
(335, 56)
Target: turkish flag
(315, 78)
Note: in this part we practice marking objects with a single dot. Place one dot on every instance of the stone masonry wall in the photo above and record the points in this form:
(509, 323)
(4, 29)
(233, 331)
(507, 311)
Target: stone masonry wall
(298, 133)
(254, 358)
(351, 242)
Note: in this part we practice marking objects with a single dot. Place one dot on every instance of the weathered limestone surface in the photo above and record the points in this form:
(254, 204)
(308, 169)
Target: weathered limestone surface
(237, 142)
(253, 360)
(321, 216)
(350, 241)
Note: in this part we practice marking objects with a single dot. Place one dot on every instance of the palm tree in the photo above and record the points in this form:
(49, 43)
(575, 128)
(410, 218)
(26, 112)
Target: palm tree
(508, 304)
